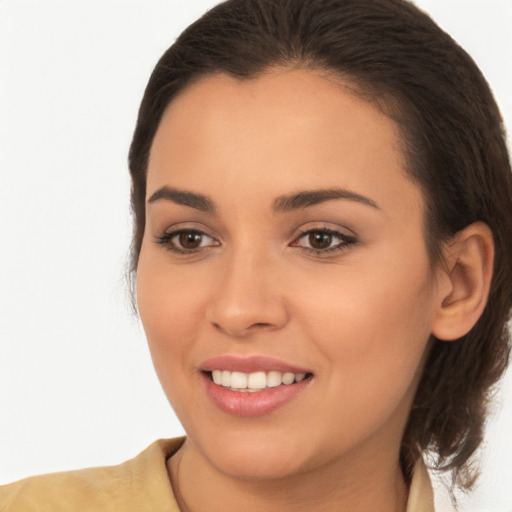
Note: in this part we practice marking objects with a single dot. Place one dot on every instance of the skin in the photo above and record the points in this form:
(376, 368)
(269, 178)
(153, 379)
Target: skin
(359, 318)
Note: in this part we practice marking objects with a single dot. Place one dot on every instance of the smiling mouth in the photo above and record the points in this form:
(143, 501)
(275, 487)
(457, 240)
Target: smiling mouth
(255, 381)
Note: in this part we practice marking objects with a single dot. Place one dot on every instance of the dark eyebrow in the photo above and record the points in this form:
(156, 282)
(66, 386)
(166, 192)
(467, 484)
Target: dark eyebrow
(307, 198)
(185, 198)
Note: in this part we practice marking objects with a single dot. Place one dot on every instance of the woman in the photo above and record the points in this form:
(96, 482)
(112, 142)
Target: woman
(338, 305)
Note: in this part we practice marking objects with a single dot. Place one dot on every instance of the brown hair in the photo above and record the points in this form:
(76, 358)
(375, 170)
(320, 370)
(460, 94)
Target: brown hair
(453, 142)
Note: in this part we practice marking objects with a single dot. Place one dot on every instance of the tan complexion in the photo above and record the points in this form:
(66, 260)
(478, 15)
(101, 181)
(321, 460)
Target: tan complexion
(337, 282)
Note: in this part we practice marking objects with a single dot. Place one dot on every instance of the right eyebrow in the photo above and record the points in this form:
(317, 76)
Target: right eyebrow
(184, 198)
(308, 198)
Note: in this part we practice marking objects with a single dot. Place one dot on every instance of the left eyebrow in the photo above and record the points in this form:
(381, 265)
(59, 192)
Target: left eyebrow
(184, 198)
(307, 198)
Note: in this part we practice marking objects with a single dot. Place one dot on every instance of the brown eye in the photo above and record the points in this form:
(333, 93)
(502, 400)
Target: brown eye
(186, 241)
(320, 240)
(323, 242)
(190, 239)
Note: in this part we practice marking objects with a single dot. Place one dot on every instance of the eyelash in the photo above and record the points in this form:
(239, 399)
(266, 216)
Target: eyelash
(166, 241)
(345, 241)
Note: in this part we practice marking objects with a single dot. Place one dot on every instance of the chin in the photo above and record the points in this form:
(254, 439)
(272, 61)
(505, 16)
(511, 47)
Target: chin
(255, 459)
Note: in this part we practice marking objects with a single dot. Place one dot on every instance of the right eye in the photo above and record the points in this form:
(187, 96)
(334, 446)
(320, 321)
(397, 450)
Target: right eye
(186, 241)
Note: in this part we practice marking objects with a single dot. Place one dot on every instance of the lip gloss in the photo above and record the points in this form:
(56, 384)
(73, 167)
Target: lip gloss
(251, 403)
(257, 403)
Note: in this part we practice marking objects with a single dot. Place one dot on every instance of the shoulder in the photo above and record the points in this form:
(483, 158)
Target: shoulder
(131, 486)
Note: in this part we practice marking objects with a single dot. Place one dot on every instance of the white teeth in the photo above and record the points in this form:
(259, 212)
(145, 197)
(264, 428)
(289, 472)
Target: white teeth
(217, 376)
(256, 381)
(226, 378)
(274, 379)
(288, 378)
(238, 380)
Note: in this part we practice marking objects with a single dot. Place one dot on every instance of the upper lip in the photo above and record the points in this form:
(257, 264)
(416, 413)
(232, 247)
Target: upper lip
(249, 364)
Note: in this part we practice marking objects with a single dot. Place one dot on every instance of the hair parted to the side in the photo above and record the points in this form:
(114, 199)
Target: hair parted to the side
(454, 145)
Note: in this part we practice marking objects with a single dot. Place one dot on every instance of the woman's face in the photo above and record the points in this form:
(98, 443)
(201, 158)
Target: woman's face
(284, 237)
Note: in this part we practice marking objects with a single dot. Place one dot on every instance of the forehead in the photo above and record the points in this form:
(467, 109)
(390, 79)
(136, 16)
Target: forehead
(287, 126)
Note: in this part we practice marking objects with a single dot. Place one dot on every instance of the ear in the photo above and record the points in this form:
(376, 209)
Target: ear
(464, 282)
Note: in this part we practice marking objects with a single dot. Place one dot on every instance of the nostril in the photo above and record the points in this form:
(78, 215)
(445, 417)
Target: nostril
(241, 331)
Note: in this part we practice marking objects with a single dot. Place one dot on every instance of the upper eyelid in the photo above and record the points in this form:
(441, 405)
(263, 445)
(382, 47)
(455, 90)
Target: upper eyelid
(324, 226)
(329, 229)
(197, 227)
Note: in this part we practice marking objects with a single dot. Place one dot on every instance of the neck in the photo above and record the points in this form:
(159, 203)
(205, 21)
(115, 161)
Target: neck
(373, 483)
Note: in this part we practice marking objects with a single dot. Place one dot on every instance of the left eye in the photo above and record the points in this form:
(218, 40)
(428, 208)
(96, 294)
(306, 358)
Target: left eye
(185, 241)
(323, 240)
(190, 239)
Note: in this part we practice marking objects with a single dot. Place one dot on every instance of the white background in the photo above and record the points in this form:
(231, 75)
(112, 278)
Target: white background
(76, 383)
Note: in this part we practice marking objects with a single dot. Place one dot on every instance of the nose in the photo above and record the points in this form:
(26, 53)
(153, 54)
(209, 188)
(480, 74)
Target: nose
(248, 298)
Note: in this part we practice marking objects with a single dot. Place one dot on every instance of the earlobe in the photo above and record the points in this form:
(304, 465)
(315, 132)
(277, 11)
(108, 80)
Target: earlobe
(469, 260)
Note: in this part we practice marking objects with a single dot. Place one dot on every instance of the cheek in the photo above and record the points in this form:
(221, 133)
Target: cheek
(169, 311)
(373, 328)
(376, 301)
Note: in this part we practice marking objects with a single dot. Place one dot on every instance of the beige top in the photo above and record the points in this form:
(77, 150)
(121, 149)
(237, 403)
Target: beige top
(138, 485)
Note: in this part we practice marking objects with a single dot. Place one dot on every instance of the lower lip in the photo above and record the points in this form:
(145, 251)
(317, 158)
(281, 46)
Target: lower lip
(249, 404)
